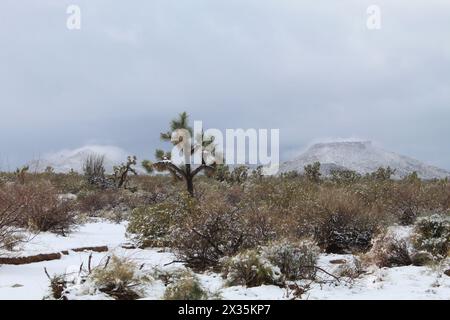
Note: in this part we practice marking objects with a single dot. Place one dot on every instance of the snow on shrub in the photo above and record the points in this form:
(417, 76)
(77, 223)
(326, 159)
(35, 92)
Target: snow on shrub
(250, 269)
(9, 218)
(296, 260)
(389, 250)
(149, 225)
(36, 206)
(432, 234)
(351, 269)
(121, 279)
(341, 222)
(57, 288)
(185, 286)
(118, 278)
(212, 229)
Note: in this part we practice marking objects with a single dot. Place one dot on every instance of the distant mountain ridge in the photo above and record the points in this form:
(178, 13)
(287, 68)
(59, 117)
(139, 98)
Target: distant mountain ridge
(66, 160)
(362, 157)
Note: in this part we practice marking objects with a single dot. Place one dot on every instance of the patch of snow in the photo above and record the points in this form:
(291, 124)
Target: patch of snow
(30, 282)
(88, 235)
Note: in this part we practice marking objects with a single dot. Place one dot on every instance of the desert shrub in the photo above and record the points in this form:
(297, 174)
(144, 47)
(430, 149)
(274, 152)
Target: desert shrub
(409, 200)
(121, 279)
(351, 269)
(118, 201)
(57, 287)
(37, 206)
(159, 184)
(211, 229)
(422, 258)
(295, 259)
(293, 174)
(341, 222)
(10, 219)
(21, 174)
(236, 176)
(94, 170)
(250, 268)
(46, 211)
(185, 286)
(96, 200)
(432, 234)
(150, 225)
(345, 177)
(10, 238)
(442, 191)
(71, 182)
(341, 234)
(389, 251)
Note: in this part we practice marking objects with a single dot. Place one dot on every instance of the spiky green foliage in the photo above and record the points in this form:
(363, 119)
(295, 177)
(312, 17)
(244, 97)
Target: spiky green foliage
(182, 122)
(383, 174)
(177, 137)
(312, 172)
(148, 166)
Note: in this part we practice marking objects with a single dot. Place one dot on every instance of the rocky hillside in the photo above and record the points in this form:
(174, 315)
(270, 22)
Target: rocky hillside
(362, 157)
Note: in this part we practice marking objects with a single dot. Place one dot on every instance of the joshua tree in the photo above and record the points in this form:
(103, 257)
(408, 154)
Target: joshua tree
(121, 172)
(180, 135)
(383, 174)
(312, 172)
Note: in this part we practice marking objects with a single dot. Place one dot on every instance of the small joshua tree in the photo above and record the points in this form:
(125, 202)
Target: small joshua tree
(312, 172)
(180, 135)
(383, 174)
(121, 172)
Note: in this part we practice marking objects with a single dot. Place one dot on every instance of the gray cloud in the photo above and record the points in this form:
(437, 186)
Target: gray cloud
(310, 68)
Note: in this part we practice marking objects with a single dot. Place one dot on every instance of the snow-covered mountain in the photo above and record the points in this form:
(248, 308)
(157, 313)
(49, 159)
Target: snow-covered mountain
(362, 157)
(65, 160)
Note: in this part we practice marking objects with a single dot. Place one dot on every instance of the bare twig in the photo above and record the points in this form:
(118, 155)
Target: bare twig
(46, 272)
(89, 263)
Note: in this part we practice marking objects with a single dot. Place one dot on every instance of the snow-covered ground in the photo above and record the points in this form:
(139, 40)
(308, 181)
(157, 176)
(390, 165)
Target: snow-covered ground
(30, 282)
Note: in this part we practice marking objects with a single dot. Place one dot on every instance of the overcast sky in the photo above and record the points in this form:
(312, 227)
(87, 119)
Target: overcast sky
(310, 68)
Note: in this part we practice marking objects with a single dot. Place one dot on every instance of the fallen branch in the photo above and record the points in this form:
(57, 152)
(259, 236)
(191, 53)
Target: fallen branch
(47, 256)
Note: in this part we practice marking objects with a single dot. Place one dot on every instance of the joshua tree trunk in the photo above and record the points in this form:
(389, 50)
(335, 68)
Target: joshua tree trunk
(190, 186)
(189, 180)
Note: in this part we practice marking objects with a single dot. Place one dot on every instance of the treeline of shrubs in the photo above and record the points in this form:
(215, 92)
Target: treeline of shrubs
(342, 214)
(237, 218)
(226, 219)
